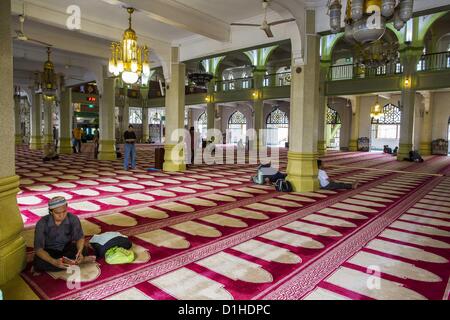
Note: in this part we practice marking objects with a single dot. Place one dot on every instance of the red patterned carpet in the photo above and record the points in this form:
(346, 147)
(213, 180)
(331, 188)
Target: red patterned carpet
(209, 233)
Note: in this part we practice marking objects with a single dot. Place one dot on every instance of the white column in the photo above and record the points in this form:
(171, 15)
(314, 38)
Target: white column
(354, 136)
(302, 156)
(48, 121)
(145, 125)
(107, 148)
(175, 103)
(409, 58)
(12, 245)
(425, 133)
(66, 118)
(36, 123)
(17, 124)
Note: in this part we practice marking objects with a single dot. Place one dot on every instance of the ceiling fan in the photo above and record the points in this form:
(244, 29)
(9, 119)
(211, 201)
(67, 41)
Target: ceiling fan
(20, 34)
(265, 25)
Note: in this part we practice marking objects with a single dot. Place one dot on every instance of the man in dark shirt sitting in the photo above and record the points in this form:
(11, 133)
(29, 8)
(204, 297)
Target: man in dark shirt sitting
(130, 148)
(59, 239)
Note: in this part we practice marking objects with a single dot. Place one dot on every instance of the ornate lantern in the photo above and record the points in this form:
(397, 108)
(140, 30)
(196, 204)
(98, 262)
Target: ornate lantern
(127, 58)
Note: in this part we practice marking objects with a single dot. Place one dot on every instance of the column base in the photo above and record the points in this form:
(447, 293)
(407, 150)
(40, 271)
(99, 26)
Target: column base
(48, 139)
(65, 146)
(425, 148)
(107, 150)
(321, 148)
(12, 245)
(403, 151)
(145, 138)
(302, 171)
(18, 139)
(353, 146)
(36, 143)
(173, 161)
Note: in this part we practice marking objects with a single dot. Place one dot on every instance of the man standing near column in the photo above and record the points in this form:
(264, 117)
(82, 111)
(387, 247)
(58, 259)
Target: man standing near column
(130, 148)
(55, 138)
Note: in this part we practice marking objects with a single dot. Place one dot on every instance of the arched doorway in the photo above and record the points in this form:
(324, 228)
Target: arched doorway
(237, 125)
(386, 129)
(277, 124)
(334, 124)
(202, 125)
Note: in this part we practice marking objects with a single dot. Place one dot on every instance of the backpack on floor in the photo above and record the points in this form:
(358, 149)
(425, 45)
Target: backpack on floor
(283, 186)
(118, 255)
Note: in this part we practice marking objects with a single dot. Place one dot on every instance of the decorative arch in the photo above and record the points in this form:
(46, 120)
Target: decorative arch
(202, 119)
(427, 26)
(392, 115)
(237, 118)
(333, 117)
(219, 74)
(277, 118)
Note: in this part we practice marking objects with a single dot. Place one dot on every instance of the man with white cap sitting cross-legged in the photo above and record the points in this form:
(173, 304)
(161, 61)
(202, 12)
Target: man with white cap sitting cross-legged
(59, 239)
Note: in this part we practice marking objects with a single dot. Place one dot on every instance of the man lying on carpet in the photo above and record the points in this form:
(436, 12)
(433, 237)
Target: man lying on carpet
(267, 174)
(59, 239)
(327, 184)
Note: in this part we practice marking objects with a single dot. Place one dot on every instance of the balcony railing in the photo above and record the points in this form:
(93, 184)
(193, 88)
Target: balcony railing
(235, 84)
(277, 79)
(434, 62)
(357, 71)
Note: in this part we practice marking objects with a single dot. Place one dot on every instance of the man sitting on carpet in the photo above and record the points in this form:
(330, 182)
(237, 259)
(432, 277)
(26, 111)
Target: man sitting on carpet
(59, 239)
(327, 184)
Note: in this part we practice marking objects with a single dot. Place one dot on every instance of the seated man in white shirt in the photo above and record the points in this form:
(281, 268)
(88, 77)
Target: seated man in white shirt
(326, 183)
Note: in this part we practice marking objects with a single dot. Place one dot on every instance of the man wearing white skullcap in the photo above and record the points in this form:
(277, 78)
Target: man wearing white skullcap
(59, 239)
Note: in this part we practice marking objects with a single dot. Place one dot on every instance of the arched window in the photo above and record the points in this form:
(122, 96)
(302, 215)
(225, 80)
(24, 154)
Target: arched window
(277, 123)
(202, 125)
(237, 125)
(237, 118)
(391, 115)
(388, 125)
(333, 117)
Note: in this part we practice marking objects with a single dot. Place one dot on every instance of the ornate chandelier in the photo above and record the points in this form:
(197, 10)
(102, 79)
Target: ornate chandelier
(49, 78)
(376, 112)
(376, 54)
(366, 19)
(128, 59)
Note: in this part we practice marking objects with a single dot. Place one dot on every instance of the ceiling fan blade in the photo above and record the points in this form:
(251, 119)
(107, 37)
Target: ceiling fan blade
(246, 24)
(281, 22)
(268, 32)
(40, 42)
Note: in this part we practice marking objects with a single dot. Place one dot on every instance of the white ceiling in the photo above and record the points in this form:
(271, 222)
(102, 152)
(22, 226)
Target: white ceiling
(201, 27)
(226, 10)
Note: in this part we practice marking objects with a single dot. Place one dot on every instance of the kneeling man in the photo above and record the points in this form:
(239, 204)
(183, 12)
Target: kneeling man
(59, 239)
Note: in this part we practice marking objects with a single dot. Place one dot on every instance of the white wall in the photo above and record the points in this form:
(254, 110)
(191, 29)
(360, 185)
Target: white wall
(440, 113)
